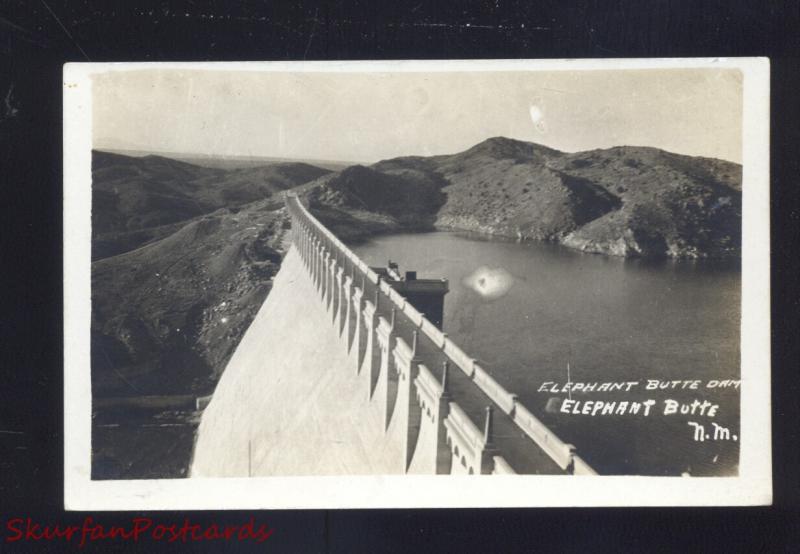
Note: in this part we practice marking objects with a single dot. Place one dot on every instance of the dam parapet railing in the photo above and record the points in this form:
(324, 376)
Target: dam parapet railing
(328, 259)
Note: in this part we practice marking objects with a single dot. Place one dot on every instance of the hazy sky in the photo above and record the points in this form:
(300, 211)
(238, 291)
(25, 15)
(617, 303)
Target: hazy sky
(366, 117)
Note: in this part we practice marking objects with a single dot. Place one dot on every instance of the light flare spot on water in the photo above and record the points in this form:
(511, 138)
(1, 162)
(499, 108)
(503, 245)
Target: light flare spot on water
(491, 283)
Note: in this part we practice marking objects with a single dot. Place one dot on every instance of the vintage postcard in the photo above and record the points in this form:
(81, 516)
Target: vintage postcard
(417, 284)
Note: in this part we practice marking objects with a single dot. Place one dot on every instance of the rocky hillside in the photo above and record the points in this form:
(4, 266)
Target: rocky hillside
(166, 317)
(136, 200)
(624, 201)
(359, 201)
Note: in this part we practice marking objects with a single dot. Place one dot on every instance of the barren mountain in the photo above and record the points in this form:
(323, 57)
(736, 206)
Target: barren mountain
(625, 201)
(361, 200)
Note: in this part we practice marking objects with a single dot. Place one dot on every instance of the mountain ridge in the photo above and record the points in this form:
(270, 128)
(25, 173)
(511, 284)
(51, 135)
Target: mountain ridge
(136, 200)
(622, 201)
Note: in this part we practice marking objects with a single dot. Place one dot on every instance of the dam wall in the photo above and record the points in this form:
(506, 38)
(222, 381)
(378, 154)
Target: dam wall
(339, 374)
(288, 402)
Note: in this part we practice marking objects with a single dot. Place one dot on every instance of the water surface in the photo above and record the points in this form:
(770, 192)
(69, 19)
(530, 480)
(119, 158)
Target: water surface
(526, 310)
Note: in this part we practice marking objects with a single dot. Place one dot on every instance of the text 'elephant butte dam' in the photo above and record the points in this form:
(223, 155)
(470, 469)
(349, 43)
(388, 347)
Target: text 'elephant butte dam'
(385, 388)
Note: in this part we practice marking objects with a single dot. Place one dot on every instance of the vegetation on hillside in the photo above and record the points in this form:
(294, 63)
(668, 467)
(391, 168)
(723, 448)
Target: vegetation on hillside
(624, 201)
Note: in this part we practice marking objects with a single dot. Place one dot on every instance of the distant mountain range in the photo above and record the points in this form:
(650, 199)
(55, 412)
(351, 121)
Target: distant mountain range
(226, 162)
(136, 200)
(184, 254)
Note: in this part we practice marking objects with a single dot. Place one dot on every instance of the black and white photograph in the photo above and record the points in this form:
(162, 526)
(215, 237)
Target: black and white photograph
(388, 284)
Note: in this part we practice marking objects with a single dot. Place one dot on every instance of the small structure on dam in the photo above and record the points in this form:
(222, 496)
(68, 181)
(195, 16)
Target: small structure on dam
(426, 295)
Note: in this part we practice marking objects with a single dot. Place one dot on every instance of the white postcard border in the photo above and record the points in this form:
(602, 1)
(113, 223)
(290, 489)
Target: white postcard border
(753, 486)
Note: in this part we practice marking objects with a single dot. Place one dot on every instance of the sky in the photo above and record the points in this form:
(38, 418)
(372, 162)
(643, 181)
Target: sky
(366, 117)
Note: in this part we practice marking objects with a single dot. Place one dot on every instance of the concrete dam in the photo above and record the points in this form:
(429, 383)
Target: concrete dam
(341, 374)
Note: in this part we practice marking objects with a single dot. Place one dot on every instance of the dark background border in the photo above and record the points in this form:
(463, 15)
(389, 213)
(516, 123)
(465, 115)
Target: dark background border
(36, 38)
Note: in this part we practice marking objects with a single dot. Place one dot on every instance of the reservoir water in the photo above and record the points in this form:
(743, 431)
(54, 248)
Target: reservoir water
(527, 310)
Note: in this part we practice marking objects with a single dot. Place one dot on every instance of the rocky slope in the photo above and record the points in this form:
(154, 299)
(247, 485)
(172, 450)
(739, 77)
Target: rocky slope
(360, 201)
(165, 317)
(136, 200)
(624, 201)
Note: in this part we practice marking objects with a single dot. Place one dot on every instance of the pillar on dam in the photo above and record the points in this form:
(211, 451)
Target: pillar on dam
(339, 290)
(326, 276)
(323, 271)
(336, 286)
(489, 451)
(356, 338)
(299, 240)
(386, 387)
(434, 402)
(371, 357)
(322, 279)
(319, 258)
(407, 414)
(312, 257)
(344, 318)
(307, 248)
(473, 450)
(344, 301)
(331, 281)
